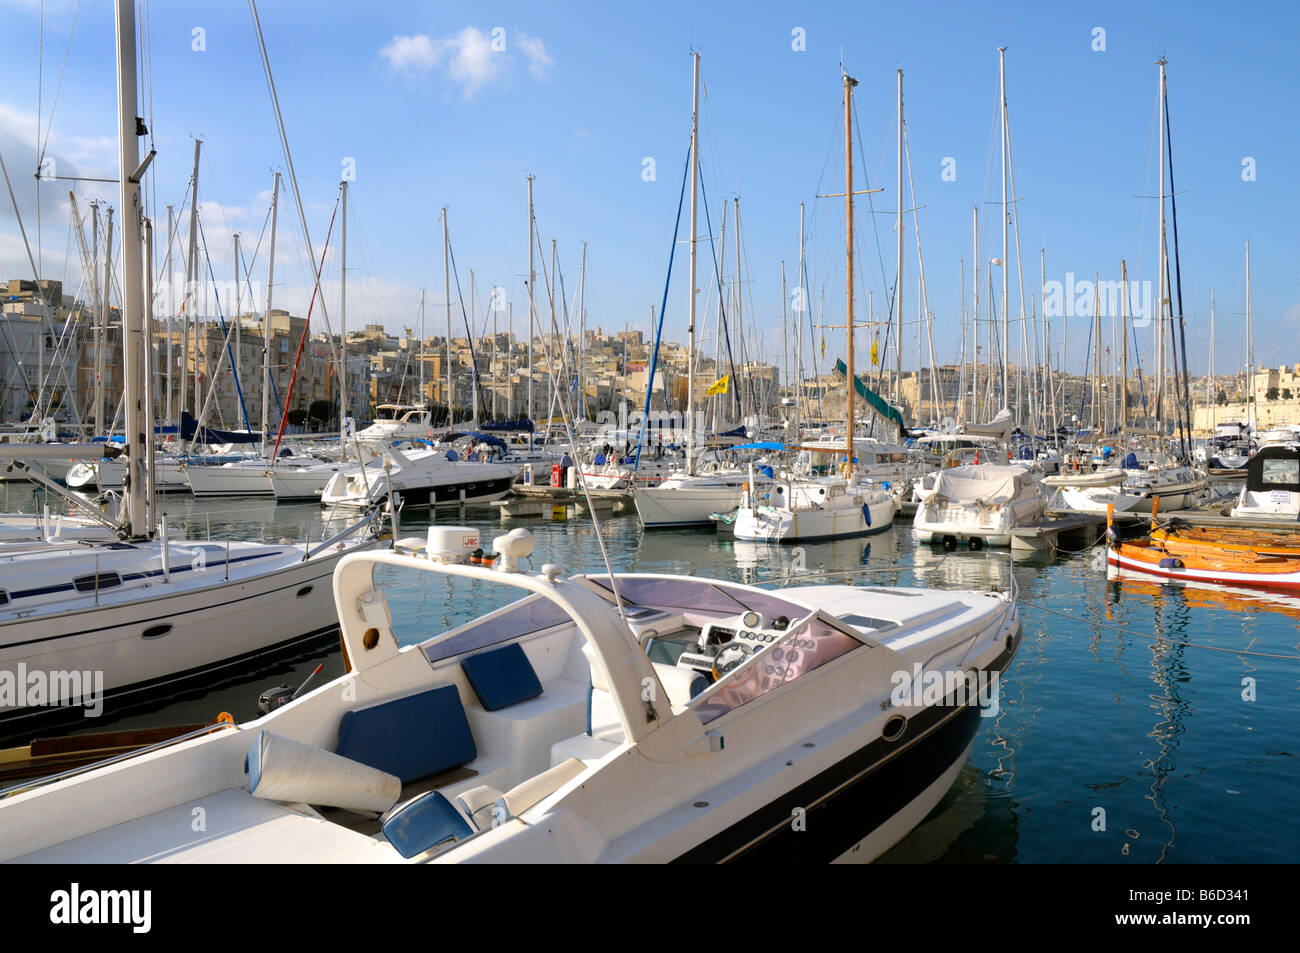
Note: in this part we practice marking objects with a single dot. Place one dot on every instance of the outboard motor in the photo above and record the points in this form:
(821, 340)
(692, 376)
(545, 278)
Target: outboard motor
(281, 695)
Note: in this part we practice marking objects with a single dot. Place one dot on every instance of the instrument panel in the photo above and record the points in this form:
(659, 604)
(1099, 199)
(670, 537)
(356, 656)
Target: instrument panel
(733, 642)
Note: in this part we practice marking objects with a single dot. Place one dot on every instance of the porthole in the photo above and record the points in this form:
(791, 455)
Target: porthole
(894, 728)
(95, 582)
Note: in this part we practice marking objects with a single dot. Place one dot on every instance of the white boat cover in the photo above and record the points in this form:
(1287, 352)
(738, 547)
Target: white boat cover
(983, 482)
(1108, 476)
(999, 426)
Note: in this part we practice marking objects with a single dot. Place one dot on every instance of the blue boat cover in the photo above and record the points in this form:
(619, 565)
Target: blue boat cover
(412, 737)
(502, 677)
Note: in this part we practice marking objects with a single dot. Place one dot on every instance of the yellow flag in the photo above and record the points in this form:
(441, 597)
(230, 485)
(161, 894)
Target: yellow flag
(718, 387)
(875, 354)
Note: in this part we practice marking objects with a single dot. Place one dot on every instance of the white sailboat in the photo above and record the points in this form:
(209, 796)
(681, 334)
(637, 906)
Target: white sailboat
(137, 610)
(801, 509)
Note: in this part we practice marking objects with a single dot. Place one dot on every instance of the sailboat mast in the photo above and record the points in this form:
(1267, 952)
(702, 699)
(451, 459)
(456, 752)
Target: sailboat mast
(342, 374)
(849, 83)
(101, 338)
(190, 307)
(1006, 336)
(798, 320)
(171, 306)
(1251, 397)
(1213, 397)
(532, 308)
(446, 294)
(266, 320)
(139, 471)
(1123, 333)
(690, 321)
(1160, 265)
(975, 313)
(473, 323)
(898, 279)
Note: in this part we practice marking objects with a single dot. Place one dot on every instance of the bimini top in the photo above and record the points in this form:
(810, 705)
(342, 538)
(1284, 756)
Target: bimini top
(1274, 468)
(999, 426)
(991, 484)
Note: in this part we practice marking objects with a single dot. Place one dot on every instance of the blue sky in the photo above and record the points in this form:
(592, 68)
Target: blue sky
(584, 93)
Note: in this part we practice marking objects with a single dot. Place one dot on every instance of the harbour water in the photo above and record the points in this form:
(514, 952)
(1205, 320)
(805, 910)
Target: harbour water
(1139, 723)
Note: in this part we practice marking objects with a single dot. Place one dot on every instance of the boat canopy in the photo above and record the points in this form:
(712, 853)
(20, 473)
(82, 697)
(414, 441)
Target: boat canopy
(190, 429)
(985, 483)
(1274, 468)
(523, 425)
(767, 445)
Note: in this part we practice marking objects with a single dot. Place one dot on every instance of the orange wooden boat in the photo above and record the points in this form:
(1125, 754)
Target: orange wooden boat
(1226, 568)
(1226, 540)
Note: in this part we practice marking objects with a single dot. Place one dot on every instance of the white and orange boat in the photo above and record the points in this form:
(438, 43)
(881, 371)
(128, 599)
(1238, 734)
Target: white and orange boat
(1181, 539)
(1229, 564)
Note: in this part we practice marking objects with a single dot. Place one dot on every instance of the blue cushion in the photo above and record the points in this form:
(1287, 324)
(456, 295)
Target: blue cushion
(425, 822)
(410, 737)
(502, 677)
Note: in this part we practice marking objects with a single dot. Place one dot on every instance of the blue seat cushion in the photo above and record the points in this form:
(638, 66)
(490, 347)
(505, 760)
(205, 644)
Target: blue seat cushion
(502, 677)
(423, 823)
(412, 737)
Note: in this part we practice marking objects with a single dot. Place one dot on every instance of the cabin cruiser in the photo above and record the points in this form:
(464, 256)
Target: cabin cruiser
(602, 718)
(1129, 487)
(421, 478)
(978, 504)
(397, 422)
(1272, 489)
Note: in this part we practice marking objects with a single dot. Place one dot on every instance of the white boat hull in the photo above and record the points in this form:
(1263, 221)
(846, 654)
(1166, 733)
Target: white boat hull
(144, 644)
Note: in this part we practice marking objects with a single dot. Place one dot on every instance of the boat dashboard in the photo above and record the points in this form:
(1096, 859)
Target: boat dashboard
(713, 648)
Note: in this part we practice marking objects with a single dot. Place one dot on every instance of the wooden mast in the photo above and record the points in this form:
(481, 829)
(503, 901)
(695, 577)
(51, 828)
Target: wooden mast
(849, 83)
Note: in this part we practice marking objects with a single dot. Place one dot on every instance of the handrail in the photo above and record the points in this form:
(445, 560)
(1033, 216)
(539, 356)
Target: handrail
(95, 765)
(364, 521)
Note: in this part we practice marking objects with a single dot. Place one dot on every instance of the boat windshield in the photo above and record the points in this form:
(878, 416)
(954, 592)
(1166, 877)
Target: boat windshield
(531, 614)
(651, 592)
(806, 648)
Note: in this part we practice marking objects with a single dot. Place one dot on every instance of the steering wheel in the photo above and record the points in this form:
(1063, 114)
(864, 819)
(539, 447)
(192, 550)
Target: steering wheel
(729, 658)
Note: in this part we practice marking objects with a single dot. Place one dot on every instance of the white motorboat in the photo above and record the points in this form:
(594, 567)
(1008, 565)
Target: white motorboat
(630, 718)
(397, 422)
(1272, 489)
(290, 483)
(978, 504)
(421, 478)
(613, 475)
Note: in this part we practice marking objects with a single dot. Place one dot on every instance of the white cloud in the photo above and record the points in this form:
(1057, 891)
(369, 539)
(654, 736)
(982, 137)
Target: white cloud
(539, 61)
(411, 54)
(471, 59)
